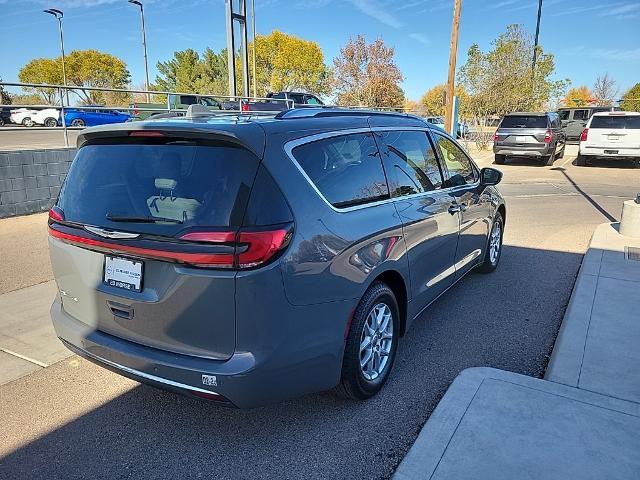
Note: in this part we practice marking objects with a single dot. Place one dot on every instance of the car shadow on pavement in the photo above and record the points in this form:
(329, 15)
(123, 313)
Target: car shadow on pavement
(508, 319)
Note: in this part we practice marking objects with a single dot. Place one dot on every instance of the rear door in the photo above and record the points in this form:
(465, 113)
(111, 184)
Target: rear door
(614, 132)
(119, 256)
(428, 212)
(462, 178)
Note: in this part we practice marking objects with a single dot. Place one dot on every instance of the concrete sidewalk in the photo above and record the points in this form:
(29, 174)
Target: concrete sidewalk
(27, 339)
(582, 421)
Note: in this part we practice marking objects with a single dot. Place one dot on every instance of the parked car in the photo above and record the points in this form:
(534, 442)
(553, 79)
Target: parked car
(22, 116)
(277, 102)
(610, 135)
(574, 119)
(463, 128)
(142, 111)
(5, 116)
(49, 117)
(89, 117)
(536, 135)
(252, 261)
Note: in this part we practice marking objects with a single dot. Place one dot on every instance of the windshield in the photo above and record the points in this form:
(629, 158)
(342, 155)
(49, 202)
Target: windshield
(158, 189)
(524, 121)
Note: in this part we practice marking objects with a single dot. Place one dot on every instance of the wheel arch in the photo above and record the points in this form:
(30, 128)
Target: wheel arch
(395, 281)
(503, 211)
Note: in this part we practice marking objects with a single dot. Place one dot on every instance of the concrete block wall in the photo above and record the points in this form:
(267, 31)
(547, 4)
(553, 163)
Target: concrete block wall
(30, 179)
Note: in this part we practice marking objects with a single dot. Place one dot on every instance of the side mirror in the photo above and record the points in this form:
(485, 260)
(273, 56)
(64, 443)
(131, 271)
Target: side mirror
(490, 176)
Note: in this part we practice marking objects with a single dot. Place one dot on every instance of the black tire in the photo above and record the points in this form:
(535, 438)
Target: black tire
(488, 264)
(500, 159)
(561, 155)
(353, 383)
(77, 122)
(581, 161)
(50, 122)
(547, 160)
(1, 122)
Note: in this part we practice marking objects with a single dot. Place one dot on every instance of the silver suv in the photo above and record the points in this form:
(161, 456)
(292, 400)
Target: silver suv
(534, 135)
(251, 259)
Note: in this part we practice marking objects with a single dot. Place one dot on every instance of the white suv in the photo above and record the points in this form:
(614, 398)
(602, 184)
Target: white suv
(610, 135)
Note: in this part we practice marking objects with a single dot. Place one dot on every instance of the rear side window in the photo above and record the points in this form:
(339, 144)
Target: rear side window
(564, 114)
(524, 121)
(410, 162)
(460, 169)
(158, 189)
(615, 121)
(346, 169)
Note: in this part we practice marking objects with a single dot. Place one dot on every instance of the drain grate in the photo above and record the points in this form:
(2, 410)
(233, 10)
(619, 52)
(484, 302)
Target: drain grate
(632, 253)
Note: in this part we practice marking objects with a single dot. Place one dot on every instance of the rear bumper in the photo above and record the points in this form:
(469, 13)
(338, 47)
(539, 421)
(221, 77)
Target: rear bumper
(605, 152)
(245, 380)
(522, 151)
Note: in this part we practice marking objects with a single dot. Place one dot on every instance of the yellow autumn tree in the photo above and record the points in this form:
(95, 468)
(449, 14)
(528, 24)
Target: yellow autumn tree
(578, 97)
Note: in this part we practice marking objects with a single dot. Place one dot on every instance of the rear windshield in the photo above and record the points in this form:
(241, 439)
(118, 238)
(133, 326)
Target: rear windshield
(524, 121)
(158, 189)
(615, 121)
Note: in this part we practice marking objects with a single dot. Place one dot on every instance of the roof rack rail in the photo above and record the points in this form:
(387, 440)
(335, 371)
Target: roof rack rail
(336, 112)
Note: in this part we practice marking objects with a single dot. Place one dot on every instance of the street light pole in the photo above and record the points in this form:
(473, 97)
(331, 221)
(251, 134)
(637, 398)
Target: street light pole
(144, 46)
(59, 14)
(255, 46)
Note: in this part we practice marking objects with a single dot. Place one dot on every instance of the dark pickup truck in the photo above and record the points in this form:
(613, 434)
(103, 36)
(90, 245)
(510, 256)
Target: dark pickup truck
(276, 102)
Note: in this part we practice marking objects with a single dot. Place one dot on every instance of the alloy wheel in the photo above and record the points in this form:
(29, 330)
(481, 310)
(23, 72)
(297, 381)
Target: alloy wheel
(376, 341)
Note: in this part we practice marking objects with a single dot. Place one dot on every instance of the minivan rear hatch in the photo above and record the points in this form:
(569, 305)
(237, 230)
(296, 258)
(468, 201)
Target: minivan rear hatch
(143, 239)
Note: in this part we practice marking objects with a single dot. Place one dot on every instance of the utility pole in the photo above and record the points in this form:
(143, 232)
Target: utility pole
(255, 46)
(144, 46)
(59, 14)
(535, 45)
(453, 54)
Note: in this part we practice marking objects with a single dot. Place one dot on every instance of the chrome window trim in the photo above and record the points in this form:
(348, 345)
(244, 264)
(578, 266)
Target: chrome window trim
(291, 144)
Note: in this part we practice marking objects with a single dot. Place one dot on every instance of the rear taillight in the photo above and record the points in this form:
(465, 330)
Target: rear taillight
(548, 136)
(56, 214)
(245, 107)
(252, 248)
(146, 133)
(584, 135)
(496, 137)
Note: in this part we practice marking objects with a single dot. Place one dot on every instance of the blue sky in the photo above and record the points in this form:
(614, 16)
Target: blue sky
(588, 37)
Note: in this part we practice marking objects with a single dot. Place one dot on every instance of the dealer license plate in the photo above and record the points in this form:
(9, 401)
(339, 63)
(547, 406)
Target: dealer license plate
(123, 273)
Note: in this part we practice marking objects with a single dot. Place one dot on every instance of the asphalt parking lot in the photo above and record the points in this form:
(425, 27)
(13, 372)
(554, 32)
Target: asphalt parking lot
(15, 137)
(76, 420)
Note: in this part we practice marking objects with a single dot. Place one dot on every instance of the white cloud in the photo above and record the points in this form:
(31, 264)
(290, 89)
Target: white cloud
(419, 37)
(632, 54)
(374, 10)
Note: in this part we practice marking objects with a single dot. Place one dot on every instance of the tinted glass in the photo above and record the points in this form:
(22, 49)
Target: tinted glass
(581, 114)
(460, 169)
(180, 185)
(346, 169)
(564, 115)
(615, 121)
(524, 121)
(296, 97)
(411, 163)
(188, 99)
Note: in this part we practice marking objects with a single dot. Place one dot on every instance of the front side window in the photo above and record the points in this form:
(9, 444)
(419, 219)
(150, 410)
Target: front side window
(459, 166)
(564, 115)
(411, 163)
(345, 169)
(313, 101)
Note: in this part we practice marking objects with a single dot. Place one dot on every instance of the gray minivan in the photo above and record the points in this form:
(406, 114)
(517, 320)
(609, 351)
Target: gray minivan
(574, 119)
(248, 259)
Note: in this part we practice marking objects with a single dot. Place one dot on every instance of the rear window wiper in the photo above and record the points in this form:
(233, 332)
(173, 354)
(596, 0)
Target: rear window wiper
(139, 219)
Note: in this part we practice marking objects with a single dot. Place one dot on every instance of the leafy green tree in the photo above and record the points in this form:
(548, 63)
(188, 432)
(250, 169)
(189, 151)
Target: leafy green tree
(501, 80)
(434, 102)
(85, 68)
(578, 97)
(287, 62)
(189, 72)
(366, 75)
(631, 99)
